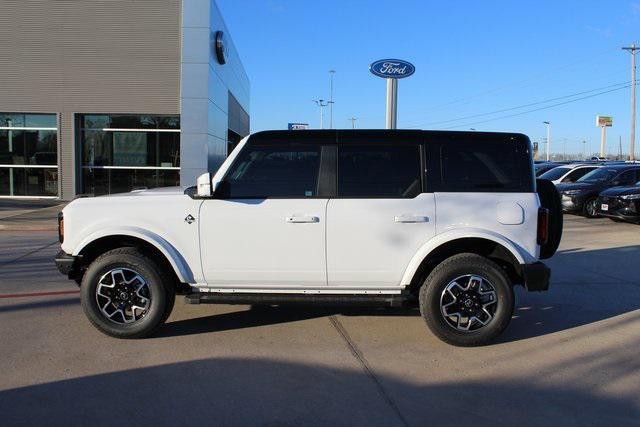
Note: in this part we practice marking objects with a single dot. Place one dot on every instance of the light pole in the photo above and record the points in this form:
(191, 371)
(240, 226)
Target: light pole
(632, 138)
(548, 138)
(353, 122)
(331, 73)
(584, 145)
(321, 103)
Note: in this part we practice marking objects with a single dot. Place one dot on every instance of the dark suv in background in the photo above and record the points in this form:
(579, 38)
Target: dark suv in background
(621, 203)
(581, 197)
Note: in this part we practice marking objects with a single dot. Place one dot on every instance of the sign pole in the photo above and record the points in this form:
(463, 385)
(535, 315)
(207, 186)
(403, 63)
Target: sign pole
(392, 103)
(603, 140)
(391, 70)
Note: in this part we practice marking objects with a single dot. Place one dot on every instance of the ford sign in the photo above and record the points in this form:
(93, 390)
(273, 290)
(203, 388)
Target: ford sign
(392, 68)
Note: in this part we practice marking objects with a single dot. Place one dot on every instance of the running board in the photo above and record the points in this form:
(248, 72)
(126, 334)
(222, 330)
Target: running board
(297, 299)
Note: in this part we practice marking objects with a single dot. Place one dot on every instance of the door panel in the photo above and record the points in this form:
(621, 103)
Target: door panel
(263, 242)
(380, 216)
(371, 241)
(266, 228)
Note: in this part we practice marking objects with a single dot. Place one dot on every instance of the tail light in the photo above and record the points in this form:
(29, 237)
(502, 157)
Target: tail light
(543, 225)
(60, 227)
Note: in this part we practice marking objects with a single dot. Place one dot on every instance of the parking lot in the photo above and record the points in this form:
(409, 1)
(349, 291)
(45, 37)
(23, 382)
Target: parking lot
(569, 356)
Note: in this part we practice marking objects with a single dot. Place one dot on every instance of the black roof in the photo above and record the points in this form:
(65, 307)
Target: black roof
(314, 134)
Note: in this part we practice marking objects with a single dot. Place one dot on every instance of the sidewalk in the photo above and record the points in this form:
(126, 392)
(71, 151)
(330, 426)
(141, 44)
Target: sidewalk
(29, 215)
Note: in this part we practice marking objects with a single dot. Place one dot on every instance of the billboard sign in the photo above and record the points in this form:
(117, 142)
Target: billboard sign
(604, 121)
(392, 68)
(298, 126)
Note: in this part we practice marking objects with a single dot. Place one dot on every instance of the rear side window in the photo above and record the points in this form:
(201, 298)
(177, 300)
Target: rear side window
(628, 177)
(484, 166)
(379, 171)
(274, 170)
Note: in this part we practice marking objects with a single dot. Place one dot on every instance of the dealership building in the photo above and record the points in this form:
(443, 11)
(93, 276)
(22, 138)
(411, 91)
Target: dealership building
(106, 96)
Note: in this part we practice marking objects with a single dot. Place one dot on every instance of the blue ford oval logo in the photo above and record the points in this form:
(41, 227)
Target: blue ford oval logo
(392, 68)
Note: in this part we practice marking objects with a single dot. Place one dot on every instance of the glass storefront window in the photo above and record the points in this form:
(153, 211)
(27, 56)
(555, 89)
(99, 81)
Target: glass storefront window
(128, 121)
(40, 121)
(124, 152)
(28, 155)
(31, 182)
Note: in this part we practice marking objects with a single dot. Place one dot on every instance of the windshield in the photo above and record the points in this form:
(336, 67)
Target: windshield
(602, 174)
(555, 173)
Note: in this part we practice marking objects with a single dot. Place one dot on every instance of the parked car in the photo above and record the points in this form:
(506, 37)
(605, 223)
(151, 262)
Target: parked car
(568, 173)
(448, 221)
(581, 196)
(621, 203)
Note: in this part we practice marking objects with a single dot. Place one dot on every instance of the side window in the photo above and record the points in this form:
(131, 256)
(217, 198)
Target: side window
(576, 174)
(274, 170)
(483, 166)
(379, 171)
(627, 177)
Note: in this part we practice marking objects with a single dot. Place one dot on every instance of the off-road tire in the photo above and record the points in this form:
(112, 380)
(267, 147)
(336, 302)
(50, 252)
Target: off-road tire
(160, 285)
(445, 273)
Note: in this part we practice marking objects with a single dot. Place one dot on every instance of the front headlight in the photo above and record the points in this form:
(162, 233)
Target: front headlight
(631, 197)
(572, 192)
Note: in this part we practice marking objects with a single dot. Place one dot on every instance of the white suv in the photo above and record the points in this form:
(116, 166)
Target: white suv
(450, 221)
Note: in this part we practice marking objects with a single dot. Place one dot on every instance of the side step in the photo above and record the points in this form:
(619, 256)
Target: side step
(298, 299)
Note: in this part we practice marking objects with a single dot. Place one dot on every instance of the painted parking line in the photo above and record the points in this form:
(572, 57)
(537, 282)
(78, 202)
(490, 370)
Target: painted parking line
(38, 294)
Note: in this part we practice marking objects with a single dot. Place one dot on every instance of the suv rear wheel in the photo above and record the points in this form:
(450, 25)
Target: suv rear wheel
(125, 294)
(467, 300)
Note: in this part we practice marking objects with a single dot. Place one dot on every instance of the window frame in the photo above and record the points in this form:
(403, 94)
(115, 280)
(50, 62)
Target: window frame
(436, 141)
(388, 142)
(324, 178)
(107, 130)
(26, 168)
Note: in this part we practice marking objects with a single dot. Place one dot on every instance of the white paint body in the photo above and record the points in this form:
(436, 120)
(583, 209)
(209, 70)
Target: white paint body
(303, 245)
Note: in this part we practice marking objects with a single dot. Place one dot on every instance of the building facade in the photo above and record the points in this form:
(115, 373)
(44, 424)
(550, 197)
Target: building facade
(105, 96)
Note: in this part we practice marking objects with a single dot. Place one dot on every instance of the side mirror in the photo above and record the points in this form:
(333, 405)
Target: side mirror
(204, 186)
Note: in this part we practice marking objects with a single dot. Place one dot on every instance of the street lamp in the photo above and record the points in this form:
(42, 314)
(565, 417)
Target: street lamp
(321, 103)
(548, 138)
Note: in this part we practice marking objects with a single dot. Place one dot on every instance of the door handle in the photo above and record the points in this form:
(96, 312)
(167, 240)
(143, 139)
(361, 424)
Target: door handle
(296, 219)
(411, 218)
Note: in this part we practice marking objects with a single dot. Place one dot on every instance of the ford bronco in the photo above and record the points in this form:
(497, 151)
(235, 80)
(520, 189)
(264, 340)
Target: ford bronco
(446, 221)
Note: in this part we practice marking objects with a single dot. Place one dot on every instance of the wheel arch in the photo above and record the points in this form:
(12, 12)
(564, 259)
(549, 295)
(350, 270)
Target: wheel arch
(157, 247)
(498, 249)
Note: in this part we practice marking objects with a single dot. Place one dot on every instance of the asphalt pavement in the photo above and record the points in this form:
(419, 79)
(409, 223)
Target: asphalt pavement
(570, 355)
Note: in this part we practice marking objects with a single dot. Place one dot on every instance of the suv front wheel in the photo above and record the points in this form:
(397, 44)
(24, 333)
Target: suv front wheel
(467, 300)
(125, 294)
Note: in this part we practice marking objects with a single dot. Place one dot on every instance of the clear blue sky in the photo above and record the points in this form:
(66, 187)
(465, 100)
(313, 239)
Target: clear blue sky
(471, 57)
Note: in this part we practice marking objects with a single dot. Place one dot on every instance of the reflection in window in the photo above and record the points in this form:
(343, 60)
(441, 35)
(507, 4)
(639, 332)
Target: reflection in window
(28, 155)
(391, 171)
(125, 152)
(278, 170)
